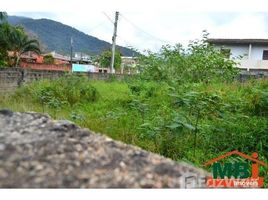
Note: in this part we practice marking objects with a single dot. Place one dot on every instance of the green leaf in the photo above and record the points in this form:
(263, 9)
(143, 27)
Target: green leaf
(173, 126)
(145, 125)
(189, 126)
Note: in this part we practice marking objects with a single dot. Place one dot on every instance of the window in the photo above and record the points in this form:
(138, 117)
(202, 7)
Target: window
(265, 55)
(226, 52)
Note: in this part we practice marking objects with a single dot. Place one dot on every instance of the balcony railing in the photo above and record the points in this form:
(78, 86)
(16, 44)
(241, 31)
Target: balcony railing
(253, 64)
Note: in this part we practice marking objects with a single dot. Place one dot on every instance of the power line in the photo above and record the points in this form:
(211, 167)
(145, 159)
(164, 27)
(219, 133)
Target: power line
(108, 17)
(96, 26)
(125, 41)
(137, 28)
(141, 30)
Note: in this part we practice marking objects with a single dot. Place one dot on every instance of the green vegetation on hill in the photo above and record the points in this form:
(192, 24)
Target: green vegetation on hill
(56, 36)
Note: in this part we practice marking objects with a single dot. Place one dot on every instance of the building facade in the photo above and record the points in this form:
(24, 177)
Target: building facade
(128, 65)
(251, 54)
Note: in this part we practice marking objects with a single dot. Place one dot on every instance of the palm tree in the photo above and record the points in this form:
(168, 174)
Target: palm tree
(4, 29)
(20, 43)
(16, 40)
(3, 16)
(4, 40)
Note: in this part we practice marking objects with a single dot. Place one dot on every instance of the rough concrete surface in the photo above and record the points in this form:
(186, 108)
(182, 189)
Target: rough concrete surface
(38, 152)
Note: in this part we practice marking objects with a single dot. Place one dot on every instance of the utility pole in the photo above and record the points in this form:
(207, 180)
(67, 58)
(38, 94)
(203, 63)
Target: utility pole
(114, 41)
(71, 50)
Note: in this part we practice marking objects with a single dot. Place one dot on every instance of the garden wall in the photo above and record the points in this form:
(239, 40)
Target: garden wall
(38, 66)
(11, 78)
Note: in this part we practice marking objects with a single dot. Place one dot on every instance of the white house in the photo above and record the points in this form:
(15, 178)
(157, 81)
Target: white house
(82, 57)
(253, 53)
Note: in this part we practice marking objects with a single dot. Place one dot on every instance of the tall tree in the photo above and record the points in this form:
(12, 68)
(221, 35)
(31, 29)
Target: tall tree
(105, 59)
(20, 43)
(14, 39)
(5, 29)
(3, 16)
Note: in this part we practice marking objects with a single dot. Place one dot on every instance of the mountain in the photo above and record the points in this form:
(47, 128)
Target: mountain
(55, 36)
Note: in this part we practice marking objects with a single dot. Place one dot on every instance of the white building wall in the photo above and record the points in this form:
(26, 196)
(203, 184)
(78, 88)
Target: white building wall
(255, 61)
(257, 52)
(236, 51)
(242, 50)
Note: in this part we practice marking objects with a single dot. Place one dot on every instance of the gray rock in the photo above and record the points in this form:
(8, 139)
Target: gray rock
(38, 152)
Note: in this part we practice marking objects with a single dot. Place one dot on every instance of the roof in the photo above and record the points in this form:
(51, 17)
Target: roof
(58, 56)
(237, 41)
(235, 152)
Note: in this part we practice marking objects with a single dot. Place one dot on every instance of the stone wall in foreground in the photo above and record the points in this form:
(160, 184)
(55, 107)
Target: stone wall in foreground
(38, 152)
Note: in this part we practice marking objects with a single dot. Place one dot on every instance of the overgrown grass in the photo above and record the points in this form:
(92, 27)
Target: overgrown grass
(191, 122)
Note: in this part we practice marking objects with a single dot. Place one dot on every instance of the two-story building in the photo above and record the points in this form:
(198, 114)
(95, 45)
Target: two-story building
(251, 54)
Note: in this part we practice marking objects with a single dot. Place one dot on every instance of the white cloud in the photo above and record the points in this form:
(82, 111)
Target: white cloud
(134, 5)
(243, 26)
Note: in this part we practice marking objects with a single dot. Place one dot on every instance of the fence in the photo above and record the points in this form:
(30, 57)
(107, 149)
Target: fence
(11, 78)
(36, 66)
(252, 74)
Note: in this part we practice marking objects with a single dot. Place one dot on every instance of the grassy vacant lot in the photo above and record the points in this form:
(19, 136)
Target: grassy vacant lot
(194, 122)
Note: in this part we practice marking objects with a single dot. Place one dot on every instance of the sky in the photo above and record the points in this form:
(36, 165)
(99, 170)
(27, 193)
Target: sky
(155, 23)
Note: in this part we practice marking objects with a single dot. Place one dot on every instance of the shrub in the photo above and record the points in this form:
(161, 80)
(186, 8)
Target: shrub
(199, 62)
(258, 103)
(68, 90)
(49, 59)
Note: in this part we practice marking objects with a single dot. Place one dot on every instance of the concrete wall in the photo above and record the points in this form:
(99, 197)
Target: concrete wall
(257, 52)
(11, 78)
(236, 50)
(253, 64)
(46, 67)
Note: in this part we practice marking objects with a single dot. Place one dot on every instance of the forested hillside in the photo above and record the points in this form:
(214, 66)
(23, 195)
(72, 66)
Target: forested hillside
(56, 36)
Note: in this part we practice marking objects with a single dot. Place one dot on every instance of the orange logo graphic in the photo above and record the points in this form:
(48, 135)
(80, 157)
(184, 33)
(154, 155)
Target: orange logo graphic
(235, 174)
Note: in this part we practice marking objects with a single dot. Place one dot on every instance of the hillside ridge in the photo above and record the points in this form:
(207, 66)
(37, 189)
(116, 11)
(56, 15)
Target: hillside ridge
(56, 36)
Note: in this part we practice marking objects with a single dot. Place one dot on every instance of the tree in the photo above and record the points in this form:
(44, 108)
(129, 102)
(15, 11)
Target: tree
(49, 59)
(3, 16)
(16, 40)
(199, 62)
(20, 43)
(5, 30)
(105, 59)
